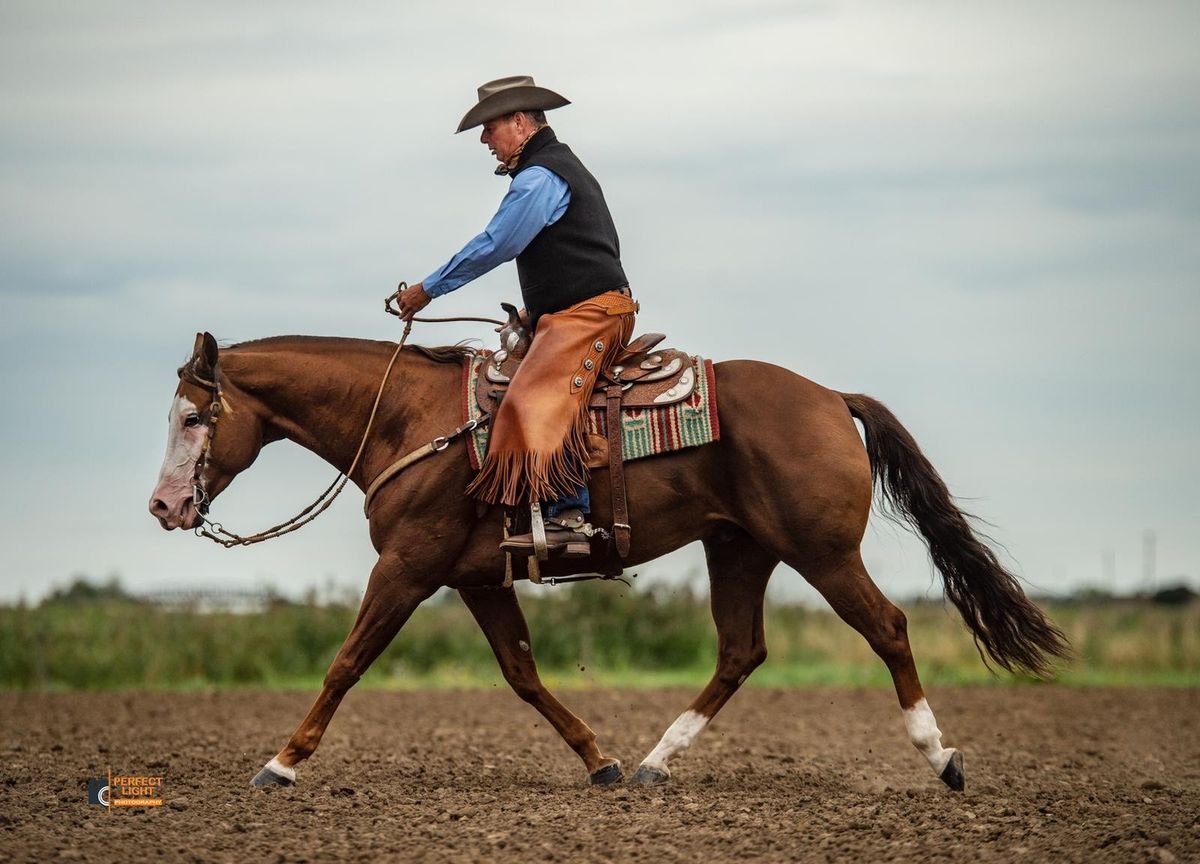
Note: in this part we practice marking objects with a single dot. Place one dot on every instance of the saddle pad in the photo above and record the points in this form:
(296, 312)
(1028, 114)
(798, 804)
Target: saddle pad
(644, 431)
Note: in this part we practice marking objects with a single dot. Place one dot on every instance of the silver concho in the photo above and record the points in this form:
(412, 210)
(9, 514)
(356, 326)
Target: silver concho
(665, 372)
(680, 390)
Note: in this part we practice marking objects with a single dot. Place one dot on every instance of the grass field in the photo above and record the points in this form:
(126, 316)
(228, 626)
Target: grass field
(585, 636)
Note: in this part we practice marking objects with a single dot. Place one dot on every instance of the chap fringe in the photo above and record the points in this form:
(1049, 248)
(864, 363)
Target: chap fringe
(513, 478)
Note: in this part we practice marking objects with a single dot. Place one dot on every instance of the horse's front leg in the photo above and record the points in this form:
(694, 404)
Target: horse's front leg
(499, 616)
(390, 599)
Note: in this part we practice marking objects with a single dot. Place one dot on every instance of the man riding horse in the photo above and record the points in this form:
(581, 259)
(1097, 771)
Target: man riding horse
(555, 222)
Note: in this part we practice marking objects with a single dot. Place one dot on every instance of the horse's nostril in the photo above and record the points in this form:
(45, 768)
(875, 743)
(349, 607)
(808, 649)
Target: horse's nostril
(159, 507)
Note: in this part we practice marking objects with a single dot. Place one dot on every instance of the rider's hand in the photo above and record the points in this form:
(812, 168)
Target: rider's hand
(412, 300)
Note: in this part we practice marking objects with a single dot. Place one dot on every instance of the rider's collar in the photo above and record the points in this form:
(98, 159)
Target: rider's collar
(505, 168)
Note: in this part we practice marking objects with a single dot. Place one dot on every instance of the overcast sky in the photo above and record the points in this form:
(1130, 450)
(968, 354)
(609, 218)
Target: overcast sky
(985, 215)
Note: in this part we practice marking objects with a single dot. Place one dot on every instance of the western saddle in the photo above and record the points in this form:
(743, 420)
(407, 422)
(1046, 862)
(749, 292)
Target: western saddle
(641, 376)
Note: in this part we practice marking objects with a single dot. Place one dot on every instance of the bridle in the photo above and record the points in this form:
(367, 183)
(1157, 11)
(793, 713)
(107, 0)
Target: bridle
(217, 532)
(186, 373)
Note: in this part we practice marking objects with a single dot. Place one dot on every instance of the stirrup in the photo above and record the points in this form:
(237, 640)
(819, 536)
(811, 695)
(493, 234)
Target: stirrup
(560, 543)
(567, 535)
(538, 531)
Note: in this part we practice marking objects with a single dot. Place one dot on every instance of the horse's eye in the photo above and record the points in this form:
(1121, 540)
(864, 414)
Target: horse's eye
(192, 420)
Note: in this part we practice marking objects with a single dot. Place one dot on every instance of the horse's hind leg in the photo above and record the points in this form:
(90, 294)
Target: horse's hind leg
(499, 615)
(738, 571)
(845, 583)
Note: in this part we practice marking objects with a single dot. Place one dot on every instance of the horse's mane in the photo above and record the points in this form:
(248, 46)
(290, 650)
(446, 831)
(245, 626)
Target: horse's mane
(438, 354)
(444, 353)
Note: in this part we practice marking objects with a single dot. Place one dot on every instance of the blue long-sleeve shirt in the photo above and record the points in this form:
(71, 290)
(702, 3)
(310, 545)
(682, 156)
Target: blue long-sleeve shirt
(536, 198)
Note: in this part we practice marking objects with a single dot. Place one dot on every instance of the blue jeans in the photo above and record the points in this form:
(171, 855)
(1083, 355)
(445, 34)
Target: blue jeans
(580, 500)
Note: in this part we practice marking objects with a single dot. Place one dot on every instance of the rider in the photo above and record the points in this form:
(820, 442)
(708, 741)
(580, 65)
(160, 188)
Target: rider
(555, 222)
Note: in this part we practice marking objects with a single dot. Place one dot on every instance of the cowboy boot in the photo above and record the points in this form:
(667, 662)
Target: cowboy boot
(567, 536)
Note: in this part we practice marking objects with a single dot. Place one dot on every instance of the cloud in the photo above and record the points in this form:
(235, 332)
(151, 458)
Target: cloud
(983, 215)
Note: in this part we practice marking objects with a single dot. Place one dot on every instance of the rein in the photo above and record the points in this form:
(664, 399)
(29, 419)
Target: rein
(217, 532)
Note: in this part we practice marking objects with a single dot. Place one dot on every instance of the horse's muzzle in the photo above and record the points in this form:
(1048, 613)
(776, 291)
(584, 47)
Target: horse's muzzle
(183, 515)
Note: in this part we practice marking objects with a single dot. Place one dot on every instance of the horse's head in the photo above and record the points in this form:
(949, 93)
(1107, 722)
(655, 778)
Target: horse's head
(210, 439)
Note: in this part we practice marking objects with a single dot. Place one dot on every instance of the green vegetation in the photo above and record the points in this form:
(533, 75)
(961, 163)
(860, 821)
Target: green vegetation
(97, 637)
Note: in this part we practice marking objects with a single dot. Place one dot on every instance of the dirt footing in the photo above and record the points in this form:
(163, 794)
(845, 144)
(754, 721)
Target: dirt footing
(807, 775)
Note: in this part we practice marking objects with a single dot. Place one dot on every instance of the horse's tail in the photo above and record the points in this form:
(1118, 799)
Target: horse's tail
(1010, 628)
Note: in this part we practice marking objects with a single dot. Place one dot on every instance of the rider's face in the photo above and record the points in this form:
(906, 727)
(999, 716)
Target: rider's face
(505, 134)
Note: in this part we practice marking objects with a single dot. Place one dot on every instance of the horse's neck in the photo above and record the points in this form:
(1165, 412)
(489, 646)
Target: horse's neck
(319, 394)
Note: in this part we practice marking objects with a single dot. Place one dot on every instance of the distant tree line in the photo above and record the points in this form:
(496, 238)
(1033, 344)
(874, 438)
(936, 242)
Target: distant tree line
(84, 589)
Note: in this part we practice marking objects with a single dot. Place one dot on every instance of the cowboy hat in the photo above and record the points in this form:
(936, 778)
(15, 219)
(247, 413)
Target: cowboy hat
(506, 95)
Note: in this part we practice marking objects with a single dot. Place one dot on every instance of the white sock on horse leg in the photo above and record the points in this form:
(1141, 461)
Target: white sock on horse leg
(925, 735)
(678, 737)
(281, 769)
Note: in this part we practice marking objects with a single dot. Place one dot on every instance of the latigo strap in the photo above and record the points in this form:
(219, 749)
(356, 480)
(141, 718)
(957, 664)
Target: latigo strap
(616, 471)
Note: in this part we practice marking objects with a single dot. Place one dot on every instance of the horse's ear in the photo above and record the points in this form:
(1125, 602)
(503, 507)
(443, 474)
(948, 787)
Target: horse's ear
(204, 353)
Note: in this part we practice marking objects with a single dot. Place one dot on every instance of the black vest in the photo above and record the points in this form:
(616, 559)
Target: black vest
(577, 257)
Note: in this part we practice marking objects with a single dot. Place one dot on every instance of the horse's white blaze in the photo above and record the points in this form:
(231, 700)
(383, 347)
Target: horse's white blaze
(281, 769)
(925, 735)
(678, 737)
(183, 449)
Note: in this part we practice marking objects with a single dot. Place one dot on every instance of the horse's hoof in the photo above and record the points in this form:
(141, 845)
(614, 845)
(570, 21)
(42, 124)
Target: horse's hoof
(274, 774)
(953, 774)
(607, 775)
(649, 775)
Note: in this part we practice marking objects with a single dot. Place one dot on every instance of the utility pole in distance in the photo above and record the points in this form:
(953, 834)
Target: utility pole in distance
(1149, 561)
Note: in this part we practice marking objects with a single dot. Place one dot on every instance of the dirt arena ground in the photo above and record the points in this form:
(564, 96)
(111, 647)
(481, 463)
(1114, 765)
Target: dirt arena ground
(814, 775)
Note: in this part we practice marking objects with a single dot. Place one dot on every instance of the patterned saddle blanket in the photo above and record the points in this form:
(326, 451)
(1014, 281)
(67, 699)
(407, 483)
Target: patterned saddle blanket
(669, 401)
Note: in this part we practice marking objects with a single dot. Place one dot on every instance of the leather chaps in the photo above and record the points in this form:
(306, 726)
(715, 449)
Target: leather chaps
(538, 448)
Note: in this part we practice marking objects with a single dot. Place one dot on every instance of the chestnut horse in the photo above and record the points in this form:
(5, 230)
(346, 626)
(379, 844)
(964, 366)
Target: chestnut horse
(790, 480)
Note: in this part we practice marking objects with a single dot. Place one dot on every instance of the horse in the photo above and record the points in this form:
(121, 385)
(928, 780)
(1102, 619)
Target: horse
(789, 480)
